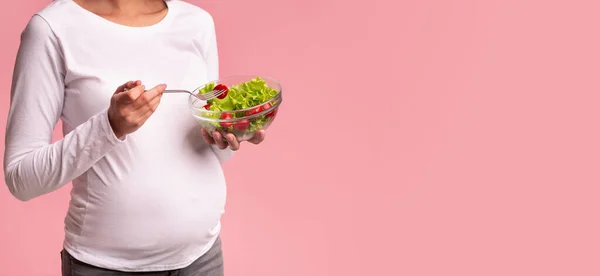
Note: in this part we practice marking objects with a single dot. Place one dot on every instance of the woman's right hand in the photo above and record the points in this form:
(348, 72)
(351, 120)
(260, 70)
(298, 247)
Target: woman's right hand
(131, 105)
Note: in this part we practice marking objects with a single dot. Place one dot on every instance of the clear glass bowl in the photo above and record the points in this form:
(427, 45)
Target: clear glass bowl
(243, 123)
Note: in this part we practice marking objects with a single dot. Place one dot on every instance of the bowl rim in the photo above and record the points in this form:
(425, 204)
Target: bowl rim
(278, 95)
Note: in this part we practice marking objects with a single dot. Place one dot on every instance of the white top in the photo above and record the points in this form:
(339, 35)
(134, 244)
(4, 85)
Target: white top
(151, 202)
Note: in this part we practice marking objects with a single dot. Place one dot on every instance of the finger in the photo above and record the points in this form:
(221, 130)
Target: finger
(233, 142)
(131, 95)
(209, 140)
(143, 117)
(148, 109)
(219, 140)
(148, 96)
(258, 137)
(124, 86)
(128, 85)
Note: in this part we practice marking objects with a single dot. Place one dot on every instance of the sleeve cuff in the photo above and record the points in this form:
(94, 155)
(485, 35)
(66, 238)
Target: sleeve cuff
(222, 154)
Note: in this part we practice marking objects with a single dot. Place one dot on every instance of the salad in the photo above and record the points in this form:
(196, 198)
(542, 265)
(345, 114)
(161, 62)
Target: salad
(241, 101)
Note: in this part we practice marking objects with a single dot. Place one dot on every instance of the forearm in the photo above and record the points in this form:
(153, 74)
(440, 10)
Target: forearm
(33, 170)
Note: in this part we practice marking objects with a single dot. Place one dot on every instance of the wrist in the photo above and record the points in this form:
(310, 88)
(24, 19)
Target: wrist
(113, 125)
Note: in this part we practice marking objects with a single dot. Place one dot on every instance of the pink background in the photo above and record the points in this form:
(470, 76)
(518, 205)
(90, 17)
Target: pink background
(416, 138)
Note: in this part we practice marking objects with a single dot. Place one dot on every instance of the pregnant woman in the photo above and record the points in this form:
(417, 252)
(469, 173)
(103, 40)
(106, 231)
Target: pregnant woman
(148, 188)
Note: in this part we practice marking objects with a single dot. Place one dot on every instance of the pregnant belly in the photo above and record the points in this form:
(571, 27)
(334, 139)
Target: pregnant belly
(148, 210)
(151, 220)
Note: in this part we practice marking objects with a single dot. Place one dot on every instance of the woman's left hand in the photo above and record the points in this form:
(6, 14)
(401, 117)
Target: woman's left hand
(230, 140)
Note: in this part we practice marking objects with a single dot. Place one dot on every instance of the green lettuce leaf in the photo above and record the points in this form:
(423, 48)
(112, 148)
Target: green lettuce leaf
(241, 96)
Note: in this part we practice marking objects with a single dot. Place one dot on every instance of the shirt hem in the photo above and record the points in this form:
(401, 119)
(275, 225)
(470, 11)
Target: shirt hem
(88, 259)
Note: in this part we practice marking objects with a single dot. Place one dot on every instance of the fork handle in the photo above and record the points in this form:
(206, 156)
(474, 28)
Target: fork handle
(176, 91)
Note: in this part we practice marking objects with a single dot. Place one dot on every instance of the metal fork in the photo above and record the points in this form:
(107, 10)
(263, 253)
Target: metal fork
(204, 97)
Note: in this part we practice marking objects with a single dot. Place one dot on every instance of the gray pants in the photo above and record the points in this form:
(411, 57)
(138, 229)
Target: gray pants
(209, 264)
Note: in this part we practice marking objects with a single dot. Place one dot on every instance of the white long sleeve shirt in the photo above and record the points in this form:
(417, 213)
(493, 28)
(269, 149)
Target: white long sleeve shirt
(152, 201)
